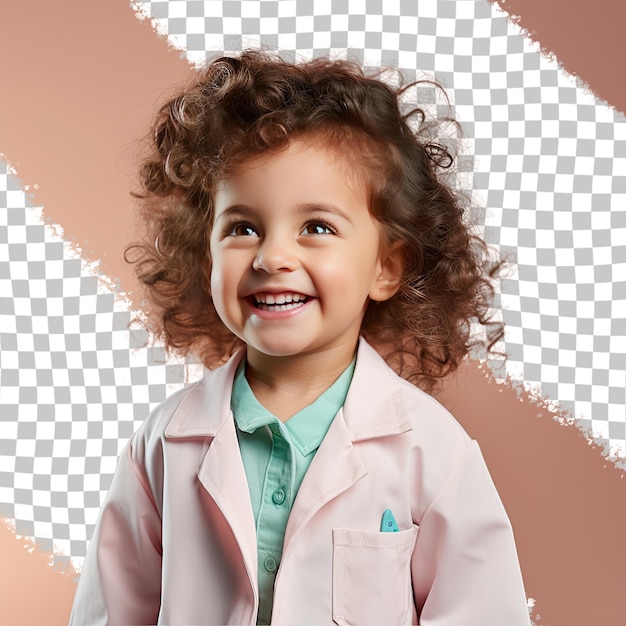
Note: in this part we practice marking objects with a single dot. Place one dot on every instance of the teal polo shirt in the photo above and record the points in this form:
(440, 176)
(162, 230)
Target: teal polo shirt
(276, 456)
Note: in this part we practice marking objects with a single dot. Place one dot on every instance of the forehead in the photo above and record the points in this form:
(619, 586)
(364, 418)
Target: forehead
(303, 166)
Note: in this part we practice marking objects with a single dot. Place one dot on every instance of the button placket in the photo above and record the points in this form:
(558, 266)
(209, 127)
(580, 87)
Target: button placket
(273, 514)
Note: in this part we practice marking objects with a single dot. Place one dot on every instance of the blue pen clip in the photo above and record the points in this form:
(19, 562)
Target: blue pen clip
(389, 524)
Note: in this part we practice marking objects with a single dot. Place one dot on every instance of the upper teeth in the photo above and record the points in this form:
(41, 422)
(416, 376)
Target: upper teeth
(280, 298)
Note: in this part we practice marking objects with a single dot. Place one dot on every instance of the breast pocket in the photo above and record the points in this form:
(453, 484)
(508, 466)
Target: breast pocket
(372, 577)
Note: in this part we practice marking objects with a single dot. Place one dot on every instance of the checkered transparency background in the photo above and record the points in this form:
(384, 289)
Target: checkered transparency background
(546, 162)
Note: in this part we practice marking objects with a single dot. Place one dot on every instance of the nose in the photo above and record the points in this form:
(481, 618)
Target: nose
(274, 256)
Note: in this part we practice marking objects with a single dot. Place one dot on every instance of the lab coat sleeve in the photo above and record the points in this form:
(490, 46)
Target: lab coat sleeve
(120, 582)
(465, 568)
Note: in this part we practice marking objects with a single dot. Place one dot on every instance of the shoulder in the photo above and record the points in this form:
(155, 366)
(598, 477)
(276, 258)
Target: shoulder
(157, 421)
(195, 412)
(382, 390)
(428, 417)
(145, 447)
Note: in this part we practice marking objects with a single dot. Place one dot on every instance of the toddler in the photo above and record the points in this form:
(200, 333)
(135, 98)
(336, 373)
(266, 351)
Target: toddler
(301, 240)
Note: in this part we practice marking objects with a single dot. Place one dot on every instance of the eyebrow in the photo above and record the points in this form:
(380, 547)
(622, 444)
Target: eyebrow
(308, 208)
(316, 207)
(235, 209)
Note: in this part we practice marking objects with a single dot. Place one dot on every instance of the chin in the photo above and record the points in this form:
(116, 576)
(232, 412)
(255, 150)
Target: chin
(277, 350)
(277, 347)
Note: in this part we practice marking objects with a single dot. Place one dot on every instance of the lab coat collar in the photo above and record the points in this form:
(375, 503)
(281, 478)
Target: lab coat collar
(373, 407)
(206, 406)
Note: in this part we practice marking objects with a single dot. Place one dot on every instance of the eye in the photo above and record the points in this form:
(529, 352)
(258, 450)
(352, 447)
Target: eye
(241, 229)
(318, 228)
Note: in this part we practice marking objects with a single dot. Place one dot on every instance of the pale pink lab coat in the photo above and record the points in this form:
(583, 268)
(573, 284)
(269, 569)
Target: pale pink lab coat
(176, 543)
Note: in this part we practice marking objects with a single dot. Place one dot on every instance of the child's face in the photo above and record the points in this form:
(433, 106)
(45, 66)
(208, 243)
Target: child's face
(296, 255)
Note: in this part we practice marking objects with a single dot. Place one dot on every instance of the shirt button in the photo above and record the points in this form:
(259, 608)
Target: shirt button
(270, 564)
(278, 497)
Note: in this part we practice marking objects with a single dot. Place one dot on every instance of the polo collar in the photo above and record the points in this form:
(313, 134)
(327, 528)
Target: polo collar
(308, 427)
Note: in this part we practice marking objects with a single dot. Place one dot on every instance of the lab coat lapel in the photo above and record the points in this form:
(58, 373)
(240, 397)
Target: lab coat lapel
(335, 468)
(223, 476)
(205, 413)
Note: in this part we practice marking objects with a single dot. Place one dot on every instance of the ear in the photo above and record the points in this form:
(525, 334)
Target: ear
(390, 271)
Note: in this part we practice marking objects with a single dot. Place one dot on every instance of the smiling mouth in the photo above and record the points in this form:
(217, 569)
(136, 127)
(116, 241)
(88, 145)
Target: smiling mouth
(280, 301)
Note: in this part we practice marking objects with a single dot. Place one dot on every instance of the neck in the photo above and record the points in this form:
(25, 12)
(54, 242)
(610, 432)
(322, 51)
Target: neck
(285, 385)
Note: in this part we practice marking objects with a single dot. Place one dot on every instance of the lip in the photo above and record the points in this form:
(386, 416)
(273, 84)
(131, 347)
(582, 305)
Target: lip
(275, 291)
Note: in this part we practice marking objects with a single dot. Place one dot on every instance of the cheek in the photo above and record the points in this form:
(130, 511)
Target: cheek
(217, 281)
(216, 261)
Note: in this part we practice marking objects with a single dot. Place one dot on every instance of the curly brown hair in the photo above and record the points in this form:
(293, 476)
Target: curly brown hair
(239, 107)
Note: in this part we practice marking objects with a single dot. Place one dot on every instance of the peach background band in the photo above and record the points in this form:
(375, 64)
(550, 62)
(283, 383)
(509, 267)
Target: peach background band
(586, 37)
(84, 84)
